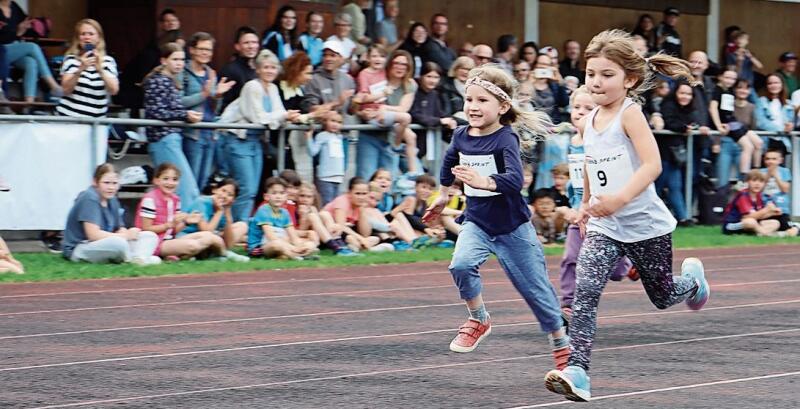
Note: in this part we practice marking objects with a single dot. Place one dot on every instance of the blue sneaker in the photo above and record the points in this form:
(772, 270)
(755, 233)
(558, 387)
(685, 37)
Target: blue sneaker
(572, 382)
(420, 242)
(445, 244)
(693, 268)
(346, 252)
(400, 245)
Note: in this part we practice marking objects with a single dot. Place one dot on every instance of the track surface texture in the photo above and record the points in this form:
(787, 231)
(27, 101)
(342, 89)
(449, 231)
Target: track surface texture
(377, 337)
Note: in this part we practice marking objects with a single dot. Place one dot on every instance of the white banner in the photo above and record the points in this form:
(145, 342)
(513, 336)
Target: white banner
(46, 165)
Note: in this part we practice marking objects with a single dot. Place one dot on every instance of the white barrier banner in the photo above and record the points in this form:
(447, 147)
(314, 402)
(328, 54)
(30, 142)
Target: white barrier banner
(46, 165)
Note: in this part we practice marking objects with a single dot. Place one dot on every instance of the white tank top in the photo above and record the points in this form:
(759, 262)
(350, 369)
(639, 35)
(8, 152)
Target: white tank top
(611, 161)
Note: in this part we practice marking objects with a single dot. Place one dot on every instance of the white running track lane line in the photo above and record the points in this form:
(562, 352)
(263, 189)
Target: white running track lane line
(404, 370)
(668, 389)
(358, 338)
(300, 295)
(314, 314)
(441, 271)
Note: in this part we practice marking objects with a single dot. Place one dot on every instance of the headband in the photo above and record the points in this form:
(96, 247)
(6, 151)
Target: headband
(488, 86)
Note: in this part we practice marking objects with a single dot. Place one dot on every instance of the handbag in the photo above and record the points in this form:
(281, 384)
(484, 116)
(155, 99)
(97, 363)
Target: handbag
(679, 154)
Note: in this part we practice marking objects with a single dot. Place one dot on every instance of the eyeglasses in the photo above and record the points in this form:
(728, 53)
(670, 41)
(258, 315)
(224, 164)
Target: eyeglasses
(402, 64)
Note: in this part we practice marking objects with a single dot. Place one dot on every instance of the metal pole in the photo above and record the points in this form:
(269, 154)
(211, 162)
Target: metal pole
(281, 149)
(688, 185)
(93, 155)
(437, 153)
(795, 198)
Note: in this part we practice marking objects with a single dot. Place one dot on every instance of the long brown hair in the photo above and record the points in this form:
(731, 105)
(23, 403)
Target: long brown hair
(617, 46)
(782, 95)
(75, 43)
(164, 52)
(409, 72)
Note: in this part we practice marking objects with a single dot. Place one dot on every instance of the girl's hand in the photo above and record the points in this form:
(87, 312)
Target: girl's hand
(435, 209)
(302, 210)
(723, 129)
(193, 218)
(606, 206)
(180, 217)
(193, 116)
(704, 130)
(470, 177)
(787, 127)
(219, 203)
(581, 218)
(450, 123)
(224, 86)
(87, 60)
(336, 229)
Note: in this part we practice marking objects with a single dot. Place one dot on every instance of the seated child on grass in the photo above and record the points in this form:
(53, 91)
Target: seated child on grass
(272, 233)
(213, 214)
(309, 221)
(779, 180)
(8, 264)
(550, 225)
(413, 208)
(752, 212)
(343, 217)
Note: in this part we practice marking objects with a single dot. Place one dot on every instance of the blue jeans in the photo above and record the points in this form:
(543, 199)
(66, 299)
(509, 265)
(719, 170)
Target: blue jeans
(200, 154)
(520, 254)
(169, 149)
(245, 162)
(373, 153)
(28, 57)
(671, 177)
(221, 154)
(728, 155)
(3, 67)
(327, 191)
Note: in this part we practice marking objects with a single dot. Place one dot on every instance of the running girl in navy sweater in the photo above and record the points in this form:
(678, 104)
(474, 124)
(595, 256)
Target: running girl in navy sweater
(485, 155)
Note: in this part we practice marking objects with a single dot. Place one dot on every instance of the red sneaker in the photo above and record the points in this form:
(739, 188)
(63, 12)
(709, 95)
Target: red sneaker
(470, 335)
(561, 356)
(633, 274)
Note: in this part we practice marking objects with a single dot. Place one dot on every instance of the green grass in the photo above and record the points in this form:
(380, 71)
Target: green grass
(49, 267)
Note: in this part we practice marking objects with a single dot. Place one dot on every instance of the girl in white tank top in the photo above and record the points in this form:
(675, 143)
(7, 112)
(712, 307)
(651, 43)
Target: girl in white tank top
(621, 213)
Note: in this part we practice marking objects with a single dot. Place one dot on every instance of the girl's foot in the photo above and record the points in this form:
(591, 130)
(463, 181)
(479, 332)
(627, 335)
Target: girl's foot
(470, 335)
(572, 382)
(693, 268)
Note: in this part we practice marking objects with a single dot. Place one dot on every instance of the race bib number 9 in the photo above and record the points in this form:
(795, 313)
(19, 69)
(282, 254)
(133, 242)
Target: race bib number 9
(609, 173)
(576, 162)
(485, 165)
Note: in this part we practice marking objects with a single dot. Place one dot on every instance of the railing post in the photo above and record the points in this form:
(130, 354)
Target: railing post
(281, 149)
(438, 155)
(688, 187)
(93, 143)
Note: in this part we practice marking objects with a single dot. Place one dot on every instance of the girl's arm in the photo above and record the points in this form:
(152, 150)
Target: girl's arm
(713, 111)
(292, 234)
(212, 224)
(268, 233)
(158, 95)
(227, 232)
(95, 233)
(362, 225)
(340, 217)
(147, 225)
(314, 145)
(635, 126)
(407, 205)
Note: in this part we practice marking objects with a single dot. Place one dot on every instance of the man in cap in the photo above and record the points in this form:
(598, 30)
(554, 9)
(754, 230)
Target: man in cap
(667, 36)
(329, 88)
(788, 64)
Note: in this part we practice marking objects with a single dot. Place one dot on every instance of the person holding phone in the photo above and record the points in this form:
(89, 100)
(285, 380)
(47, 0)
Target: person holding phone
(88, 74)
(549, 95)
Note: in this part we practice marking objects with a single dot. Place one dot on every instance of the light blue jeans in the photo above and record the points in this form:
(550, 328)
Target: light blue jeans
(170, 149)
(672, 178)
(28, 57)
(728, 156)
(373, 153)
(200, 154)
(521, 256)
(245, 163)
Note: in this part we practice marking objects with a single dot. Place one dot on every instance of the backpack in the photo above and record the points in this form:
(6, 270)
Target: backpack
(40, 28)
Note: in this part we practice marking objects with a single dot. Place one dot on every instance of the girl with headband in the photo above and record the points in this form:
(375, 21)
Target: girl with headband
(485, 156)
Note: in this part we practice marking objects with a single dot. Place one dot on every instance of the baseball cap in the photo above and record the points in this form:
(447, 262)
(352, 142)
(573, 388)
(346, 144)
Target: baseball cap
(787, 56)
(672, 11)
(333, 45)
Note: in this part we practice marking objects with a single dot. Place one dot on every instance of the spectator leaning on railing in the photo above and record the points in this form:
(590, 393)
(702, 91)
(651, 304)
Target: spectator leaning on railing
(162, 100)
(88, 74)
(259, 103)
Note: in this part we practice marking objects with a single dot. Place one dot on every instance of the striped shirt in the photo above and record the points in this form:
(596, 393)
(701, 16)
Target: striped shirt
(90, 97)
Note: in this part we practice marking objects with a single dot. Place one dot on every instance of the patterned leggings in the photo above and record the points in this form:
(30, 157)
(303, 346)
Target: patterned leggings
(599, 254)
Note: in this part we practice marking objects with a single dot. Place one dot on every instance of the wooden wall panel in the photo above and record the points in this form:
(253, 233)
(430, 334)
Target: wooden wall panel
(476, 21)
(773, 27)
(560, 22)
(221, 18)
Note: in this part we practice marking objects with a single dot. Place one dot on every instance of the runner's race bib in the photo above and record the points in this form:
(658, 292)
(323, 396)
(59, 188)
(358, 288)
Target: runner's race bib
(609, 173)
(485, 165)
(576, 163)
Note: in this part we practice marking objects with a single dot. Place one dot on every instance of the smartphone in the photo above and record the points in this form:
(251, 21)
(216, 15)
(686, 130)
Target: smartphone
(87, 48)
(542, 73)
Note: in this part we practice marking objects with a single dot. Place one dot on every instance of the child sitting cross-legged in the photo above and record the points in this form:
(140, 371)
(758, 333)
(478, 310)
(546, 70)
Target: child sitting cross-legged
(413, 208)
(272, 233)
(309, 221)
(550, 224)
(753, 212)
(214, 214)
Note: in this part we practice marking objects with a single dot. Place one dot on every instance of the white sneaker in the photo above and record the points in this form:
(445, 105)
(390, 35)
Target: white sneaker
(233, 256)
(382, 247)
(146, 261)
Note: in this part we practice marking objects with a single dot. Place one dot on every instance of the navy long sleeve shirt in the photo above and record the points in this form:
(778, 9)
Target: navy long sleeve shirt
(506, 210)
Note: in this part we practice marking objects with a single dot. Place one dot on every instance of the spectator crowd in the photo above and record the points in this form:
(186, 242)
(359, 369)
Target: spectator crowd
(216, 189)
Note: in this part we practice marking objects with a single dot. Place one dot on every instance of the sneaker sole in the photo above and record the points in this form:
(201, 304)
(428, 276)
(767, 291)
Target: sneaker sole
(556, 383)
(458, 348)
